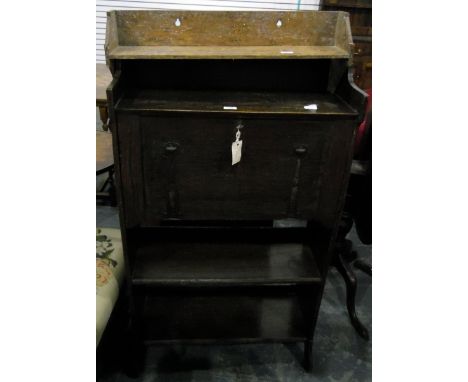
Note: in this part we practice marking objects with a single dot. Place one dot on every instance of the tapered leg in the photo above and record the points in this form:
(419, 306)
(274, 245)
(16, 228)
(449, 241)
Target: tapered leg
(135, 353)
(350, 279)
(308, 364)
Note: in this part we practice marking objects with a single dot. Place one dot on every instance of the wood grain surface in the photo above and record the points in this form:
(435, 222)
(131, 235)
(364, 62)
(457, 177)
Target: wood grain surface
(188, 34)
(238, 52)
(103, 79)
(225, 263)
(104, 157)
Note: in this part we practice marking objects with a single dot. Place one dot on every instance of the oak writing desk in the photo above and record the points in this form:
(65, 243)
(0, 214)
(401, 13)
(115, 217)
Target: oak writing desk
(233, 140)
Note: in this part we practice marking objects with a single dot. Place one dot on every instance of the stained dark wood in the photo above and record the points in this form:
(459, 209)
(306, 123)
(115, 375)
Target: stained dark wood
(218, 251)
(245, 103)
(225, 264)
(130, 167)
(227, 75)
(204, 157)
(230, 318)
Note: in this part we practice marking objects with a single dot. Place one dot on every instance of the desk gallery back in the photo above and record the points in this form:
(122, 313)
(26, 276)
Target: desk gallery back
(232, 136)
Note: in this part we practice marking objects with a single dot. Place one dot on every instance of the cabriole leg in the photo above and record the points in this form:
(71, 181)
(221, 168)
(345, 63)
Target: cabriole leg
(363, 266)
(350, 279)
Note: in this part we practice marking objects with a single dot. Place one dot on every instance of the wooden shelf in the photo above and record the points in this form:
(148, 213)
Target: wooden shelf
(237, 319)
(212, 264)
(244, 102)
(223, 52)
(179, 34)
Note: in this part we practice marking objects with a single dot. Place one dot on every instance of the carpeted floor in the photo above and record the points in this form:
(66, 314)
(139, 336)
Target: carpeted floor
(340, 355)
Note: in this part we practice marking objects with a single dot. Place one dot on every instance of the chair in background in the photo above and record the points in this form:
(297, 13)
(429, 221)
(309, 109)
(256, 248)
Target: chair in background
(105, 165)
(358, 210)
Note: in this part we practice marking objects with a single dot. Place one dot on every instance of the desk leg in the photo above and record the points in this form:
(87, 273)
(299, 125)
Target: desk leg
(309, 303)
(308, 364)
(134, 352)
(103, 114)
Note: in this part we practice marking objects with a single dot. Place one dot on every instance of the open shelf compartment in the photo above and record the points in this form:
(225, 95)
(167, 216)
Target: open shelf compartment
(236, 319)
(221, 52)
(233, 264)
(236, 102)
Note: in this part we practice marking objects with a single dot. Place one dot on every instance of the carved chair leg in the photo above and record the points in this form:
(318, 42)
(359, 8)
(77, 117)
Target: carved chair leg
(103, 114)
(134, 348)
(105, 184)
(112, 191)
(350, 279)
(308, 364)
(363, 266)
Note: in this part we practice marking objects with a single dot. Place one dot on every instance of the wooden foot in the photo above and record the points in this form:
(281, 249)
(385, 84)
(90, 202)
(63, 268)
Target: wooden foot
(350, 279)
(308, 364)
(135, 354)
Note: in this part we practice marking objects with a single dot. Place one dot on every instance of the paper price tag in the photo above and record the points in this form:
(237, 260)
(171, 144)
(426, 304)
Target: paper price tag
(236, 152)
(236, 149)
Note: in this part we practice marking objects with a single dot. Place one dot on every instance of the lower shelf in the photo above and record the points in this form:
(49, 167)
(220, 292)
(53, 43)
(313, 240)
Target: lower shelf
(217, 264)
(211, 319)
